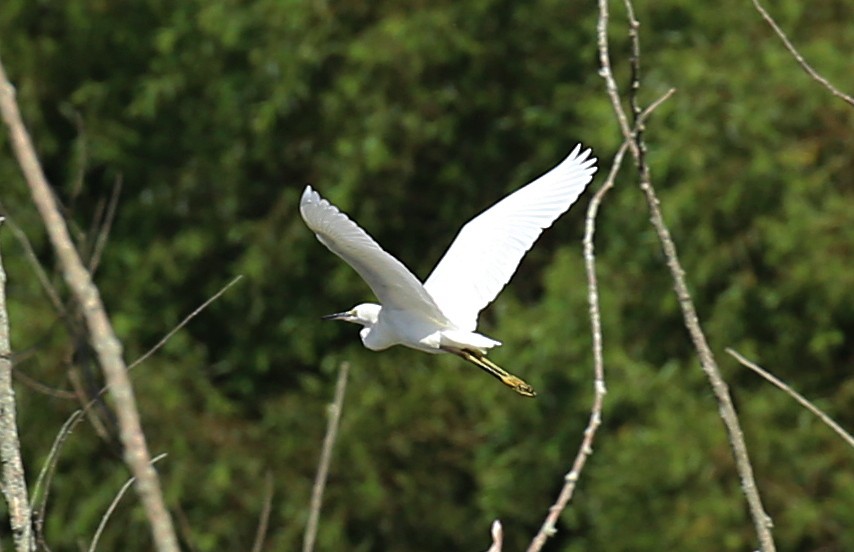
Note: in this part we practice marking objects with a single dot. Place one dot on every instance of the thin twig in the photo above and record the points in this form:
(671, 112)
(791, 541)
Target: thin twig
(81, 157)
(103, 337)
(762, 522)
(634, 66)
(31, 256)
(39, 387)
(799, 58)
(186, 529)
(107, 223)
(548, 527)
(183, 323)
(606, 73)
(795, 395)
(100, 418)
(87, 239)
(84, 396)
(325, 459)
(42, 487)
(114, 504)
(266, 508)
(14, 483)
(497, 537)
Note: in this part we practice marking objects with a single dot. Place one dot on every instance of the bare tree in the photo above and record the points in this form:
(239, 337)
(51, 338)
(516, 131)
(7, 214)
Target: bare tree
(102, 335)
(14, 483)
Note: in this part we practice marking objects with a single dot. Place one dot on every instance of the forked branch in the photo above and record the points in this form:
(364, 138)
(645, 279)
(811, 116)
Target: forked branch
(103, 337)
(761, 520)
(599, 390)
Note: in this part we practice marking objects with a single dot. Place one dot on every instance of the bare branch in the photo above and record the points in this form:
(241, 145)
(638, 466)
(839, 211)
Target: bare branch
(599, 390)
(606, 73)
(497, 537)
(38, 386)
(101, 419)
(183, 323)
(266, 508)
(14, 484)
(42, 487)
(81, 157)
(104, 232)
(634, 64)
(186, 529)
(795, 395)
(103, 337)
(762, 522)
(113, 504)
(86, 240)
(84, 396)
(325, 459)
(31, 256)
(799, 58)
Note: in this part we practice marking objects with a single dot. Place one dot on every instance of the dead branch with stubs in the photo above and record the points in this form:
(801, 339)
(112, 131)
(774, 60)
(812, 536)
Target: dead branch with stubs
(761, 520)
(14, 484)
(548, 527)
(102, 335)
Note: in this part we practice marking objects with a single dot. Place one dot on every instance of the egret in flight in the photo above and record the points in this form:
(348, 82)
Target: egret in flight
(440, 315)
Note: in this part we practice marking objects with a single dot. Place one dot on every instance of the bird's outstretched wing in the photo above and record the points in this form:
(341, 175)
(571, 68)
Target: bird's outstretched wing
(489, 248)
(393, 284)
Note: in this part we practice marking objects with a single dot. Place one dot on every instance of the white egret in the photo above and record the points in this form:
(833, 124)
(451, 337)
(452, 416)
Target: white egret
(440, 316)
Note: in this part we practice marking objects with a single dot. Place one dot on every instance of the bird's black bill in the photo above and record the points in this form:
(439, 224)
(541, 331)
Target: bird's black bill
(508, 379)
(336, 316)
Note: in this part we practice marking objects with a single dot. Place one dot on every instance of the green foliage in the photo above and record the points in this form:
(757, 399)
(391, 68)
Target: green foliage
(412, 117)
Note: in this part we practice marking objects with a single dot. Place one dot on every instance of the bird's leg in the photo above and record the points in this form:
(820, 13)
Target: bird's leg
(508, 379)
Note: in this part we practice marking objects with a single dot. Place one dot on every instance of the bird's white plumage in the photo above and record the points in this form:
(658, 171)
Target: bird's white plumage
(393, 284)
(489, 248)
(441, 315)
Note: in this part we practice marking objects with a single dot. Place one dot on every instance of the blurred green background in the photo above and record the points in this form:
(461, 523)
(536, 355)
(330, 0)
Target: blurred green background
(412, 117)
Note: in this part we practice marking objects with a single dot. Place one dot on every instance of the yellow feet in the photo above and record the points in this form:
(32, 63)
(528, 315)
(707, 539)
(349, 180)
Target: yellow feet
(508, 379)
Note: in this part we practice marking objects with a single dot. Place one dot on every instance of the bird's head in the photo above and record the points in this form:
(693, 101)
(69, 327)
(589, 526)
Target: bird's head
(365, 314)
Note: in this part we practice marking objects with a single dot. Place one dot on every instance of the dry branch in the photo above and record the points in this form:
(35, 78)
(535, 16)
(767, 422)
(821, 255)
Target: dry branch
(266, 508)
(103, 337)
(30, 254)
(112, 508)
(184, 322)
(103, 233)
(599, 390)
(497, 537)
(799, 58)
(762, 522)
(41, 491)
(14, 483)
(325, 459)
(795, 395)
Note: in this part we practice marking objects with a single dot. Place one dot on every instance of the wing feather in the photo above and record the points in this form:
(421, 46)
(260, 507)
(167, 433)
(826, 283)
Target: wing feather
(489, 248)
(393, 284)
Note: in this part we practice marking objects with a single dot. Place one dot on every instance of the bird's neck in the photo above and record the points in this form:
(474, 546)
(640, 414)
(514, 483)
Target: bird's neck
(369, 314)
(377, 336)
